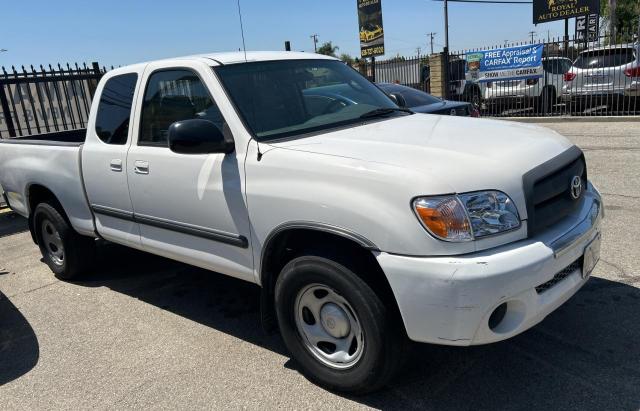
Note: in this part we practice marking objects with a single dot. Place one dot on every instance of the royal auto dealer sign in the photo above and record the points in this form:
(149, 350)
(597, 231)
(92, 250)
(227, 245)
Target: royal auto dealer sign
(550, 10)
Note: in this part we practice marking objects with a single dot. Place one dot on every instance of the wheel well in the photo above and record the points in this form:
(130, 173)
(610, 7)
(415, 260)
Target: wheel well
(292, 243)
(38, 194)
(549, 88)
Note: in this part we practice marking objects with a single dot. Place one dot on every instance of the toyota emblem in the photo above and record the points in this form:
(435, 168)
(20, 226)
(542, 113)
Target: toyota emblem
(576, 187)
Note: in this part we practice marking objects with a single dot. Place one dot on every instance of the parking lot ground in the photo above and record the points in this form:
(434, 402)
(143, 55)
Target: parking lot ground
(145, 332)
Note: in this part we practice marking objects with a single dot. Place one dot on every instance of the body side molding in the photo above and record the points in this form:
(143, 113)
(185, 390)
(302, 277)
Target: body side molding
(197, 231)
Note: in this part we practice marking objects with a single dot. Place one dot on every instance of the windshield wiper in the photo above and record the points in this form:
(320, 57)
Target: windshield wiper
(383, 111)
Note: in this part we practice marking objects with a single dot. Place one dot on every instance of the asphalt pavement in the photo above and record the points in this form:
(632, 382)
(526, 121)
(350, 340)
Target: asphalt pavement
(145, 332)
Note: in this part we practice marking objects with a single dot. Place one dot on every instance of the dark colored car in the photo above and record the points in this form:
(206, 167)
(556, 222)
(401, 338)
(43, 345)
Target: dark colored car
(421, 102)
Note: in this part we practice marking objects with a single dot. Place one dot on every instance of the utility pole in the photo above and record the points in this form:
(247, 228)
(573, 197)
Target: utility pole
(506, 42)
(418, 49)
(446, 25)
(315, 42)
(431, 39)
(532, 33)
(446, 49)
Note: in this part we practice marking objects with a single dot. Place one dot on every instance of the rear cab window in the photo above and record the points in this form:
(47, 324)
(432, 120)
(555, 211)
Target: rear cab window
(114, 109)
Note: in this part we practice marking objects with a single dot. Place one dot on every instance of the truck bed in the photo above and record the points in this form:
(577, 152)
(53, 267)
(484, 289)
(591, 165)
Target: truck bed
(66, 137)
(50, 160)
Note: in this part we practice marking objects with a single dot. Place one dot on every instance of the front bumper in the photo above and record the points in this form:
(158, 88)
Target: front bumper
(449, 300)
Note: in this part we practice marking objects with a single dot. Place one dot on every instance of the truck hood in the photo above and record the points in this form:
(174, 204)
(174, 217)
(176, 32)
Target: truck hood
(456, 154)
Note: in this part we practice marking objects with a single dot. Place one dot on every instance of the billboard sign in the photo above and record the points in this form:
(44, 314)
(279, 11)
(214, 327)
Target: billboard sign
(545, 11)
(510, 63)
(587, 28)
(371, 31)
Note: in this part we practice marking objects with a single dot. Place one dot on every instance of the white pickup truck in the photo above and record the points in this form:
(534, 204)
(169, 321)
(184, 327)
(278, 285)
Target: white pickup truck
(365, 225)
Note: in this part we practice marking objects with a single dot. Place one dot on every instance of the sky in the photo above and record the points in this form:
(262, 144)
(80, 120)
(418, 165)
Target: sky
(118, 32)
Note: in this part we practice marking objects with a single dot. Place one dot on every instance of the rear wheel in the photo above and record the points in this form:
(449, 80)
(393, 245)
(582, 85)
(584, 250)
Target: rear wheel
(336, 327)
(67, 253)
(547, 100)
(472, 95)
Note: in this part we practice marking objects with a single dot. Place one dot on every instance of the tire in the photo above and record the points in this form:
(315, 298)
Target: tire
(67, 253)
(375, 339)
(547, 100)
(473, 96)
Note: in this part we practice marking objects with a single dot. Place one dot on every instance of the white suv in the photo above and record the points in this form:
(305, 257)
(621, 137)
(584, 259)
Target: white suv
(611, 71)
(541, 92)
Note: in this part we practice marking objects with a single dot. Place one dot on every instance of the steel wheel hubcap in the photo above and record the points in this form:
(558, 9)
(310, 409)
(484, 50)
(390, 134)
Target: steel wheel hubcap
(329, 327)
(52, 242)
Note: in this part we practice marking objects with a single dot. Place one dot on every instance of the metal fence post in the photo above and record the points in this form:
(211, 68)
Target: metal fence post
(373, 69)
(94, 84)
(6, 111)
(447, 76)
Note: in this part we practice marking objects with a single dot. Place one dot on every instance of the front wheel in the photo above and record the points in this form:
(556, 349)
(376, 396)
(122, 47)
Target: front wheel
(335, 326)
(67, 253)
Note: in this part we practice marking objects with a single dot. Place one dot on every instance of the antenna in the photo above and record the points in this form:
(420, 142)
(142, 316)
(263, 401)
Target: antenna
(244, 48)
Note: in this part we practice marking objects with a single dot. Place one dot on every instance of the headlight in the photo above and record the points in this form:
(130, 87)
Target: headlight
(465, 217)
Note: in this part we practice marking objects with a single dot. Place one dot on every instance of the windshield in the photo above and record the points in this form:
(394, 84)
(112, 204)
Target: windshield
(288, 97)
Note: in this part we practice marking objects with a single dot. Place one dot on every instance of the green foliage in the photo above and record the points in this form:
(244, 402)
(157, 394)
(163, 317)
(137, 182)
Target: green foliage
(347, 59)
(627, 15)
(328, 49)
(397, 58)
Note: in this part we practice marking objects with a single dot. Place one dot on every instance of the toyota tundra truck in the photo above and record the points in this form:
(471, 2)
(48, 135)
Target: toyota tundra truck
(365, 225)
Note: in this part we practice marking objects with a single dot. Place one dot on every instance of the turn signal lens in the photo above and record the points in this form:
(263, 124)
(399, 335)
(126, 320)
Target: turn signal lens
(444, 217)
(469, 216)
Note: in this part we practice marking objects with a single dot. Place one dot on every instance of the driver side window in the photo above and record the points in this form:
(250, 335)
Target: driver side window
(170, 96)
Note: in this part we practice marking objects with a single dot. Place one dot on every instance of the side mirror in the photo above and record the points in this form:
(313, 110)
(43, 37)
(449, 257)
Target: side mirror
(198, 136)
(398, 99)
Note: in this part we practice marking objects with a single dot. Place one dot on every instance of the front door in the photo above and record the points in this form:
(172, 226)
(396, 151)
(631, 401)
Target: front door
(189, 207)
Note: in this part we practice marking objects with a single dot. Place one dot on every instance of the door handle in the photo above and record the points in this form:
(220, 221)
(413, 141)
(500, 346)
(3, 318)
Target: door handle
(115, 165)
(141, 167)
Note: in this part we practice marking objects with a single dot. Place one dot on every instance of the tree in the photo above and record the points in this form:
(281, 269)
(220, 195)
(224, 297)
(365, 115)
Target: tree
(328, 49)
(627, 14)
(397, 58)
(347, 59)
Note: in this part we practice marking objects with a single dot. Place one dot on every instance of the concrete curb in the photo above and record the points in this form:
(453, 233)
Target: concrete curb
(572, 119)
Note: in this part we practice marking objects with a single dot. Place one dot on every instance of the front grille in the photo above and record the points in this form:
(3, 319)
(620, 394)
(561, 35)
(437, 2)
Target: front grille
(548, 189)
(568, 270)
